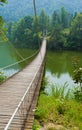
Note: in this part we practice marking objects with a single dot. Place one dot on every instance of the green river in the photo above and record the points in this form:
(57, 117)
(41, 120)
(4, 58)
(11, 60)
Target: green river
(59, 68)
(59, 65)
(9, 55)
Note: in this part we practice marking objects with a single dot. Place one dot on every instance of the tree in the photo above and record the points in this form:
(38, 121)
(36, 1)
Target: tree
(55, 18)
(23, 33)
(42, 21)
(64, 17)
(1, 20)
(75, 36)
(56, 38)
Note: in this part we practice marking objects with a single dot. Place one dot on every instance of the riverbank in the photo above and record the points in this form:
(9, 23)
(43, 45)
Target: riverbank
(58, 112)
(58, 108)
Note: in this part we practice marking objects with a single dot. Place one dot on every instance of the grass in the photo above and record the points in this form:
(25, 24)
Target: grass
(2, 77)
(59, 109)
(61, 91)
(36, 125)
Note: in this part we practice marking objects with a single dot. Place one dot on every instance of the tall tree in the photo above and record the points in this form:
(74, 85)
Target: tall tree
(22, 32)
(56, 38)
(1, 20)
(64, 17)
(75, 36)
(42, 21)
(55, 18)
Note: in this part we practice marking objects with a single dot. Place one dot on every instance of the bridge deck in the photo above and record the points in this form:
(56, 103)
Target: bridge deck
(12, 91)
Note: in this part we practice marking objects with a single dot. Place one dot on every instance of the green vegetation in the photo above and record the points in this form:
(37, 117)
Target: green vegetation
(3, 1)
(36, 125)
(77, 77)
(59, 110)
(2, 29)
(1, 25)
(62, 107)
(19, 8)
(23, 33)
(60, 92)
(64, 30)
(2, 77)
(74, 38)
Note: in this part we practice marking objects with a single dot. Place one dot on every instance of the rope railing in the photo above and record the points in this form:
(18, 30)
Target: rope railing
(19, 61)
(16, 63)
(9, 73)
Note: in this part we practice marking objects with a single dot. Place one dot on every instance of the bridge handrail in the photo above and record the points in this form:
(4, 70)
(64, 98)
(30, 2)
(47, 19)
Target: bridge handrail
(22, 99)
(19, 61)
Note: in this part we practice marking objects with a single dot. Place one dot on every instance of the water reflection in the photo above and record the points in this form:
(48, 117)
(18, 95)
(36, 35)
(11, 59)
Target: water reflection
(8, 56)
(9, 72)
(59, 68)
(55, 80)
(61, 62)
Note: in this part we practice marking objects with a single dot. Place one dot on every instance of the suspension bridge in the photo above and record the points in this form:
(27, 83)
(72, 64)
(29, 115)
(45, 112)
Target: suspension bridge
(19, 94)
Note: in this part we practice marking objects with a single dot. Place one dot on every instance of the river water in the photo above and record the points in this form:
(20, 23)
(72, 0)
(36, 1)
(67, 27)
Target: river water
(60, 67)
(9, 55)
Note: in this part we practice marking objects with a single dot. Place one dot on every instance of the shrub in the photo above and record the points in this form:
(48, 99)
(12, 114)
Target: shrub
(35, 125)
(78, 94)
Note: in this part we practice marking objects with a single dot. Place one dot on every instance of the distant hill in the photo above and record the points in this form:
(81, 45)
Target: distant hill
(16, 9)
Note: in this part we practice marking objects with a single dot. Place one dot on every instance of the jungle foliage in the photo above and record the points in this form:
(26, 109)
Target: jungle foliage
(63, 30)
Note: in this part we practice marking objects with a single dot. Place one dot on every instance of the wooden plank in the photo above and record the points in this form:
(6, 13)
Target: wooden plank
(12, 91)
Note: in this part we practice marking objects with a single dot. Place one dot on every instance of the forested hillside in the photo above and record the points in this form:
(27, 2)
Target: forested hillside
(16, 9)
(64, 30)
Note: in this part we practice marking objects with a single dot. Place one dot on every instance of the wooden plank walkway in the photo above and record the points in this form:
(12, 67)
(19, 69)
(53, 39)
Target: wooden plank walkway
(17, 93)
